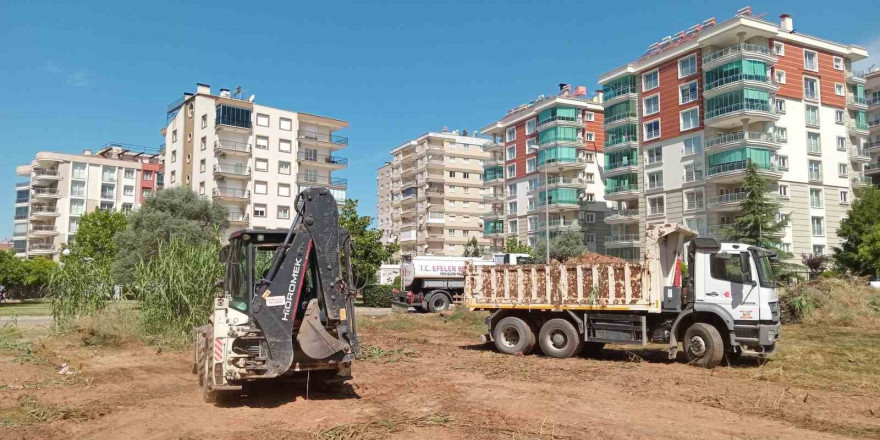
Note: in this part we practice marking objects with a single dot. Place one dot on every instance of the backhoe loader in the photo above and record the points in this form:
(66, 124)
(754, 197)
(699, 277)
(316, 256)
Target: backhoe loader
(286, 306)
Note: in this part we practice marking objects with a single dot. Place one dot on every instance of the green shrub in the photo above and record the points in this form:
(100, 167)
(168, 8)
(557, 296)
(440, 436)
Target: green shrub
(830, 274)
(377, 295)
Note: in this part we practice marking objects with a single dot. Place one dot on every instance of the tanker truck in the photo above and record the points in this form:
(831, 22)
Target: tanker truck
(726, 305)
(433, 284)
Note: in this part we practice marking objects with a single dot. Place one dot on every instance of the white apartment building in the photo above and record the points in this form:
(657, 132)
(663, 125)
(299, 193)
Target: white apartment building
(872, 101)
(253, 158)
(433, 203)
(60, 188)
(683, 121)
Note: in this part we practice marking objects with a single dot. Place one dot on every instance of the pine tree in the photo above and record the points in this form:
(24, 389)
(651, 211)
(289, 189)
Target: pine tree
(757, 224)
(472, 248)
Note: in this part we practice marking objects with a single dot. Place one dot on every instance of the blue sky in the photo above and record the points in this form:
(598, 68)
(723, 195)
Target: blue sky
(76, 75)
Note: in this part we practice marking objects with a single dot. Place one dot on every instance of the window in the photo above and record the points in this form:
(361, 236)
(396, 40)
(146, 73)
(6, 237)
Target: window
(173, 156)
(589, 116)
(693, 172)
(780, 105)
(693, 199)
(690, 118)
(818, 224)
(531, 145)
(782, 161)
(687, 66)
(780, 76)
(838, 63)
(655, 180)
(284, 145)
(511, 207)
(283, 167)
(204, 120)
(530, 126)
(465, 175)
(284, 189)
(452, 174)
(590, 238)
(783, 191)
(201, 188)
(652, 130)
(108, 191)
(261, 164)
(814, 145)
(129, 173)
(838, 117)
(511, 152)
(285, 124)
(148, 175)
(588, 157)
(511, 189)
(812, 115)
(589, 197)
(262, 120)
(589, 217)
(590, 136)
(842, 170)
(815, 198)
(841, 143)
(80, 170)
(687, 92)
(106, 206)
(173, 177)
(146, 192)
(262, 142)
(511, 134)
(531, 165)
(656, 205)
(651, 105)
(811, 88)
(839, 90)
(819, 249)
(786, 247)
(655, 155)
(811, 60)
(511, 171)
(77, 189)
(693, 146)
(589, 178)
(650, 80)
(513, 226)
(779, 48)
(283, 212)
(174, 136)
(128, 190)
(260, 187)
(844, 197)
(728, 269)
(782, 134)
(259, 210)
(202, 166)
(815, 170)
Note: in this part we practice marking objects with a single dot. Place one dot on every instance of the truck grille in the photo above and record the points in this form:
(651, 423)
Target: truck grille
(746, 332)
(774, 310)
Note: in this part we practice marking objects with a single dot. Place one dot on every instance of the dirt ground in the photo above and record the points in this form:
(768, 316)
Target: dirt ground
(424, 377)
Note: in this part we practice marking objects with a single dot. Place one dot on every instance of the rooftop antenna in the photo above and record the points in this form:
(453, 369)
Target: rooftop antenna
(251, 99)
(237, 94)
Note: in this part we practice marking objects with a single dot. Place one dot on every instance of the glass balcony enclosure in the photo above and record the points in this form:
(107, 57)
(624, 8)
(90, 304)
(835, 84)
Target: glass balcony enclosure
(233, 116)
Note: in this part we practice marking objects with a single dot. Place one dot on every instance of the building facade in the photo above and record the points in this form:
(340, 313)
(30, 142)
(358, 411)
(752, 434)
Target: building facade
(432, 203)
(59, 188)
(872, 101)
(544, 175)
(252, 158)
(683, 122)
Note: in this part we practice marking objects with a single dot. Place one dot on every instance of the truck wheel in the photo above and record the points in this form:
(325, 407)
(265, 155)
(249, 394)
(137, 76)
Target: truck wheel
(209, 394)
(512, 335)
(703, 345)
(593, 348)
(438, 303)
(559, 339)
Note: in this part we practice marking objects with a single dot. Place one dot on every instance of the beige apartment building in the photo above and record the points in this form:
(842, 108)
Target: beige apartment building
(872, 143)
(252, 158)
(430, 194)
(59, 188)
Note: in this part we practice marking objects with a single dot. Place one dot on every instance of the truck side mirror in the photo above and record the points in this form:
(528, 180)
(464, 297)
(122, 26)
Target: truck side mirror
(746, 268)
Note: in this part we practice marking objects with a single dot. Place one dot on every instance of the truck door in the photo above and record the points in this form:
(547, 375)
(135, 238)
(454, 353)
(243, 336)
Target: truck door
(730, 284)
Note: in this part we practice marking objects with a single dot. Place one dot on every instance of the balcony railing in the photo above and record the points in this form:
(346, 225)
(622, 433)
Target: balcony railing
(623, 238)
(224, 144)
(42, 247)
(862, 179)
(237, 217)
(232, 168)
(108, 177)
(231, 192)
(855, 75)
(740, 106)
(620, 117)
(43, 228)
(740, 136)
(739, 77)
(852, 99)
(322, 180)
(738, 48)
(44, 210)
(619, 91)
(856, 125)
(20, 216)
(322, 158)
(621, 140)
(21, 200)
(559, 224)
(737, 166)
(734, 197)
(233, 121)
(45, 192)
(621, 164)
(622, 213)
(622, 188)
(22, 184)
(559, 118)
(46, 173)
(322, 137)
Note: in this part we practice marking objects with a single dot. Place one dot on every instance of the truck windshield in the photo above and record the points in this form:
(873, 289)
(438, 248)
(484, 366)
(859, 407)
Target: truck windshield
(765, 272)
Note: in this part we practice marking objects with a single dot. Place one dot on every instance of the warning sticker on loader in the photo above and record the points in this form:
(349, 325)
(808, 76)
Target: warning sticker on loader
(274, 301)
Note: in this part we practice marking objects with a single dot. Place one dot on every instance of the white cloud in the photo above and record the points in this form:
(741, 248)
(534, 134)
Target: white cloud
(873, 47)
(78, 79)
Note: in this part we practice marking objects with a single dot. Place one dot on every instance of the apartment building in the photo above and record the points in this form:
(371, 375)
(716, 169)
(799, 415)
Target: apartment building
(434, 201)
(252, 158)
(384, 197)
(59, 188)
(683, 121)
(872, 101)
(543, 176)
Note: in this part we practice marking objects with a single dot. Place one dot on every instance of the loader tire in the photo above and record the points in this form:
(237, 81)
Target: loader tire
(513, 335)
(438, 302)
(703, 345)
(559, 338)
(206, 378)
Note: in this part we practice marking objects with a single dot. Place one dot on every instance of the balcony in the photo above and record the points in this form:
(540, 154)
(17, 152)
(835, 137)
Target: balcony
(493, 161)
(43, 230)
(739, 139)
(237, 218)
(622, 192)
(494, 214)
(736, 52)
(555, 206)
(560, 164)
(493, 146)
(231, 194)
(232, 171)
(494, 197)
(45, 193)
(621, 119)
(855, 77)
(620, 94)
(326, 140)
(622, 216)
(496, 179)
(731, 116)
(622, 240)
(322, 160)
(232, 148)
(855, 102)
(22, 200)
(735, 171)
(233, 119)
(41, 248)
(558, 182)
(25, 184)
(45, 174)
(44, 211)
(872, 168)
(620, 144)
(621, 167)
(860, 179)
(560, 121)
(559, 224)
(725, 203)
(327, 181)
(854, 127)
(857, 154)
(739, 81)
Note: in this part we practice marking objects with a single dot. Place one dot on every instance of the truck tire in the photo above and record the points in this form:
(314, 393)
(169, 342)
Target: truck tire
(593, 348)
(438, 302)
(558, 338)
(206, 379)
(512, 335)
(703, 345)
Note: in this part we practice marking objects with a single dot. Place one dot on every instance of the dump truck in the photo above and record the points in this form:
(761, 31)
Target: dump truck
(434, 283)
(726, 304)
(286, 307)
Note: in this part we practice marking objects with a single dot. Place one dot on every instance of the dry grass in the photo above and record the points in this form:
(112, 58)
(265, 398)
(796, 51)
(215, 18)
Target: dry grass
(29, 411)
(381, 428)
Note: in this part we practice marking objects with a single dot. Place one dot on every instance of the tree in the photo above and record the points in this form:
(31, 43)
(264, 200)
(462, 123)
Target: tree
(369, 252)
(514, 246)
(24, 278)
(562, 247)
(757, 224)
(816, 263)
(95, 236)
(868, 255)
(854, 231)
(472, 248)
(175, 212)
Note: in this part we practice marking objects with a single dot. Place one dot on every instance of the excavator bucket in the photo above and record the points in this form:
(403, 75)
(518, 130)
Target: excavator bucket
(314, 341)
